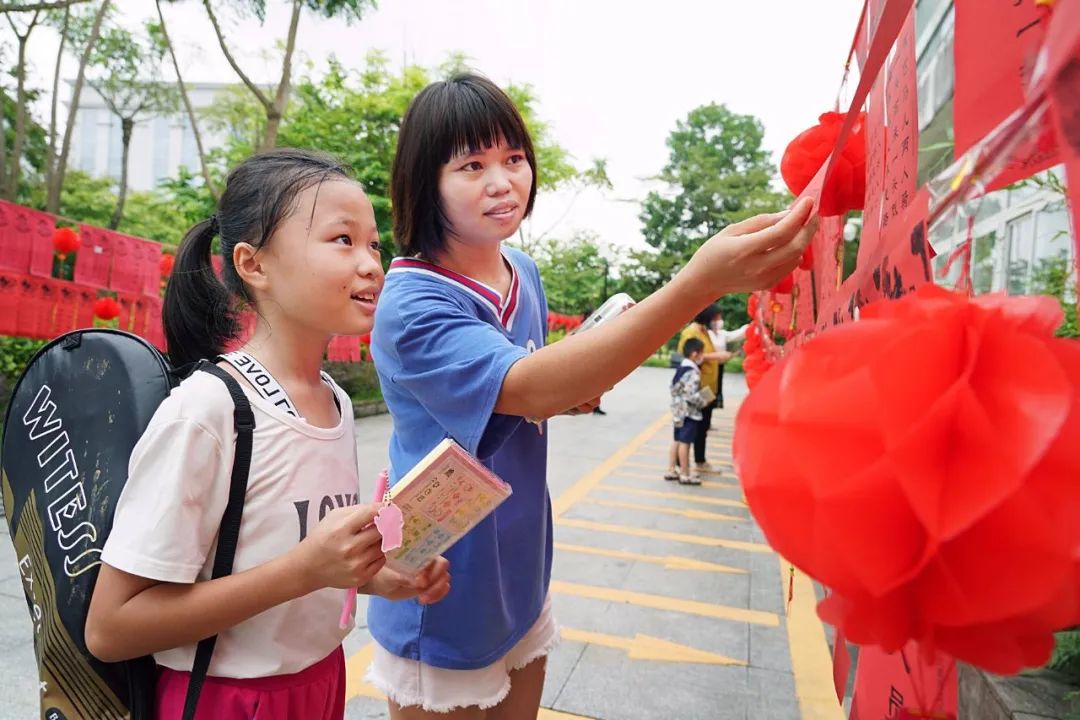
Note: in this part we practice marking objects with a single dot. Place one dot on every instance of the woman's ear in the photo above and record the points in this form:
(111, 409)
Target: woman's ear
(248, 262)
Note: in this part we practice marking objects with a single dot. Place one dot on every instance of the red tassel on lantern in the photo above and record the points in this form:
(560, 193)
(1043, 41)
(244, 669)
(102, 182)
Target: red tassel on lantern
(106, 308)
(805, 155)
(65, 240)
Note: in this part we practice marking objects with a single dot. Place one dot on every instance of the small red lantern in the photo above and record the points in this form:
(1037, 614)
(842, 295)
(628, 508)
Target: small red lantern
(805, 155)
(65, 240)
(166, 265)
(785, 285)
(106, 308)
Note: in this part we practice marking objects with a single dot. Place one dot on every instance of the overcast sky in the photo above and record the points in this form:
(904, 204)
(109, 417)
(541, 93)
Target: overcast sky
(612, 77)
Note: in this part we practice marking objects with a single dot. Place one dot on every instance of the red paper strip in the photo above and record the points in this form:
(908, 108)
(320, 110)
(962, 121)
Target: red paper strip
(9, 301)
(901, 126)
(1065, 111)
(95, 257)
(893, 15)
(151, 268)
(42, 226)
(14, 239)
(66, 314)
(875, 171)
(886, 685)
(84, 316)
(995, 45)
(127, 263)
(153, 330)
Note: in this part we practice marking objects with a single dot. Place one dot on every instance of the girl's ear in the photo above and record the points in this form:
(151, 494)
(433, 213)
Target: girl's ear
(249, 263)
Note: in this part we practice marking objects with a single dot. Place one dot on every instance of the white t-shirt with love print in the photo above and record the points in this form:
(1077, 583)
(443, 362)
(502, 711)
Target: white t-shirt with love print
(167, 519)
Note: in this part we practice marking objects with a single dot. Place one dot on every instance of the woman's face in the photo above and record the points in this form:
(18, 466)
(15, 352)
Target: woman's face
(485, 193)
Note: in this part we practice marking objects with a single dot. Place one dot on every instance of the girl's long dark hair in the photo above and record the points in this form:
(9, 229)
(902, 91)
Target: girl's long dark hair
(200, 311)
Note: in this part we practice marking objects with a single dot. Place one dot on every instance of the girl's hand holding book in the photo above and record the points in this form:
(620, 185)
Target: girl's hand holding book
(343, 551)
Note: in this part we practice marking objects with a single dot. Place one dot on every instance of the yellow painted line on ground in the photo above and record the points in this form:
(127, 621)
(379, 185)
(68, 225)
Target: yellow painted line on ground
(706, 540)
(582, 487)
(811, 664)
(355, 668)
(548, 714)
(670, 562)
(663, 468)
(690, 513)
(660, 456)
(684, 496)
(707, 484)
(644, 647)
(664, 602)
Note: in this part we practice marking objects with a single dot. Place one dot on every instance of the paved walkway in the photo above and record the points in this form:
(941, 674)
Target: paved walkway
(670, 603)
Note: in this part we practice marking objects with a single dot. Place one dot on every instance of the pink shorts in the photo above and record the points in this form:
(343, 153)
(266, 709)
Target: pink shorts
(316, 693)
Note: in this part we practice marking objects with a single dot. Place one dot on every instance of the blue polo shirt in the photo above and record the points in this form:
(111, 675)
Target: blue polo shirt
(442, 345)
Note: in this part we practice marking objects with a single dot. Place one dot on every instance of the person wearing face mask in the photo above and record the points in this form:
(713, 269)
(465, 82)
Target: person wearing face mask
(712, 362)
(721, 339)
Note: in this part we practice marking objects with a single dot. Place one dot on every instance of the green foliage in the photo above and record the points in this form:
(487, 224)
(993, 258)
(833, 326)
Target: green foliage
(718, 173)
(1052, 276)
(734, 365)
(358, 380)
(1066, 657)
(15, 353)
(573, 272)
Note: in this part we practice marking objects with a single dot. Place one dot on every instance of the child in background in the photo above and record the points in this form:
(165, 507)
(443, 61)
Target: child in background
(687, 400)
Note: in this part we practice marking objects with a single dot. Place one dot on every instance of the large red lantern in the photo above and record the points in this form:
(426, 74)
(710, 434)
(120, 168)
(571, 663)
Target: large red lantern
(65, 241)
(935, 493)
(106, 308)
(806, 154)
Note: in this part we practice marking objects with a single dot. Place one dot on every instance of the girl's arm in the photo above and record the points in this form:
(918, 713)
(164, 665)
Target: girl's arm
(131, 616)
(750, 255)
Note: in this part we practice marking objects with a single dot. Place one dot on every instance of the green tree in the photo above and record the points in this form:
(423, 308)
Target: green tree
(9, 186)
(128, 78)
(575, 272)
(274, 108)
(717, 174)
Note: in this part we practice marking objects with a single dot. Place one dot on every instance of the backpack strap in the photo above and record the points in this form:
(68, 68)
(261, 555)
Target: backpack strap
(229, 533)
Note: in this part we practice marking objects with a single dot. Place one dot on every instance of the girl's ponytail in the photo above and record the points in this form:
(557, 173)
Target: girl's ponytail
(199, 314)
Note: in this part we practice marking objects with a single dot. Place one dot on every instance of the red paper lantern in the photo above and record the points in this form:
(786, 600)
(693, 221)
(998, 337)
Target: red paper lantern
(65, 240)
(785, 285)
(166, 265)
(106, 308)
(752, 305)
(934, 492)
(365, 339)
(807, 261)
(805, 155)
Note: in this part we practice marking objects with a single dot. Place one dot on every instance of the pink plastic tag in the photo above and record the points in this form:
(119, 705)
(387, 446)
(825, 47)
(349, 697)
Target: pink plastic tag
(390, 522)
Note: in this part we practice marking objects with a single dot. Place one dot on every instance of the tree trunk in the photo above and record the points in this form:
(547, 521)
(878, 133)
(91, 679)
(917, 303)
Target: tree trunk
(50, 159)
(126, 126)
(53, 203)
(187, 106)
(38, 6)
(281, 99)
(12, 181)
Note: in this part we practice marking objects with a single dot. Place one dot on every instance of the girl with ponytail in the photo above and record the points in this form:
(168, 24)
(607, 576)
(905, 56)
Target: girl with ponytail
(300, 248)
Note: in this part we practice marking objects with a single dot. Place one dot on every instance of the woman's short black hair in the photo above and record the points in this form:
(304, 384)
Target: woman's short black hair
(464, 114)
(705, 317)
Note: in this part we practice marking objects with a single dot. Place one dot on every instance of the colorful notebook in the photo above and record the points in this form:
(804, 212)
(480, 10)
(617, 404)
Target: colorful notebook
(441, 499)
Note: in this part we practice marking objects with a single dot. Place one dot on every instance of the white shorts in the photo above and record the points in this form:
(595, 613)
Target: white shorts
(413, 683)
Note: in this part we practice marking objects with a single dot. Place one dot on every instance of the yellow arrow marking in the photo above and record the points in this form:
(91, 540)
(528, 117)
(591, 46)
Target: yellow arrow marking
(582, 487)
(355, 667)
(684, 496)
(644, 647)
(664, 602)
(706, 540)
(671, 562)
(661, 510)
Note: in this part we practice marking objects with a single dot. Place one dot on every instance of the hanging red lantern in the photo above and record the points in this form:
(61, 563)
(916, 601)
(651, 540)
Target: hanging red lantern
(806, 154)
(65, 241)
(752, 305)
(365, 339)
(807, 261)
(785, 285)
(949, 513)
(106, 308)
(166, 265)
